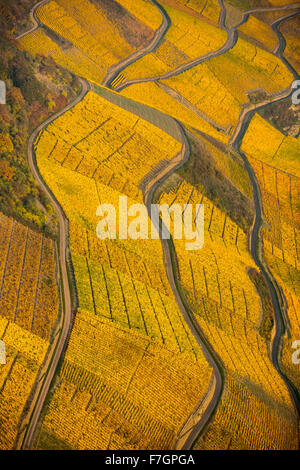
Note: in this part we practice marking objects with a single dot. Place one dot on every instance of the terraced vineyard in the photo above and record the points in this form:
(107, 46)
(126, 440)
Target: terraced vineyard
(121, 282)
(186, 39)
(84, 39)
(157, 347)
(118, 391)
(220, 96)
(280, 196)
(227, 307)
(29, 310)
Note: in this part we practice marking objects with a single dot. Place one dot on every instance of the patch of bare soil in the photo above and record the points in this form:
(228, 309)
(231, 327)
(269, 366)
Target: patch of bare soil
(188, 10)
(60, 41)
(130, 28)
(284, 116)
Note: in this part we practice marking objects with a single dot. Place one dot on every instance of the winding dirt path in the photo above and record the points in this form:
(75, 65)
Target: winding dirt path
(232, 37)
(230, 42)
(279, 52)
(159, 35)
(256, 251)
(204, 411)
(255, 246)
(206, 407)
(58, 345)
(33, 18)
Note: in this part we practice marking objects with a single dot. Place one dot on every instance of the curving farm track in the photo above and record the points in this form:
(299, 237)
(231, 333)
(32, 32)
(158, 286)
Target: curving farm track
(190, 432)
(231, 40)
(202, 414)
(256, 253)
(255, 239)
(33, 18)
(159, 35)
(57, 346)
(204, 410)
(282, 42)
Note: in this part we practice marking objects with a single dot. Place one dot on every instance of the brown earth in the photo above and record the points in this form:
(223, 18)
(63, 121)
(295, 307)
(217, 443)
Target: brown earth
(130, 28)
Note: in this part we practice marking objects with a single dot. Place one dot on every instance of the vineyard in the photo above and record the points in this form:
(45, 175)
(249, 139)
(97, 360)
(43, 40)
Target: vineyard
(220, 87)
(279, 151)
(121, 284)
(145, 11)
(107, 398)
(228, 309)
(280, 199)
(209, 10)
(186, 39)
(214, 98)
(150, 92)
(28, 294)
(126, 343)
(29, 310)
(72, 58)
(289, 31)
(230, 429)
(72, 21)
(259, 31)
(80, 37)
